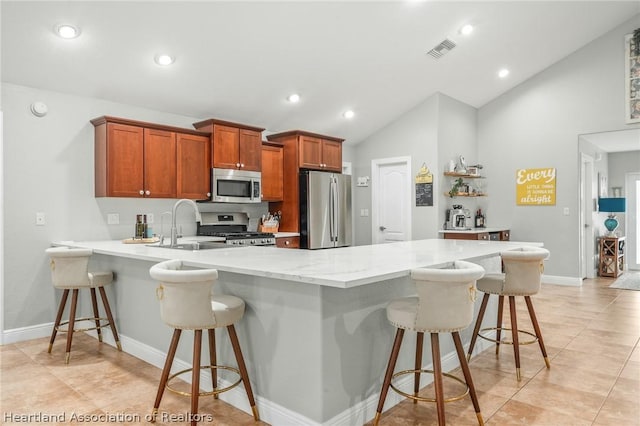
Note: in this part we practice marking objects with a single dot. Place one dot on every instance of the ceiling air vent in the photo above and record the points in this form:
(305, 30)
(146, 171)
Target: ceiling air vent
(442, 48)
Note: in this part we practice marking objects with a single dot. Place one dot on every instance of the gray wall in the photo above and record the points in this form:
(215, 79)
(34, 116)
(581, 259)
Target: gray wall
(435, 131)
(534, 125)
(48, 167)
(537, 125)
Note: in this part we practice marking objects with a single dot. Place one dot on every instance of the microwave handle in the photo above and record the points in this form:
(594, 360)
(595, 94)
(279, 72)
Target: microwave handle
(255, 183)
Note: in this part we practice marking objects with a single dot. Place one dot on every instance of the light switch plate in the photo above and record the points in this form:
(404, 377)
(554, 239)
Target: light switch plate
(113, 219)
(565, 211)
(149, 217)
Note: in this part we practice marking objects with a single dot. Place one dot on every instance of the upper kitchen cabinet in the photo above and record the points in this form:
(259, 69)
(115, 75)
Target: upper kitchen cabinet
(234, 146)
(272, 171)
(137, 159)
(193, 166)
(315, 151)
(320, 153)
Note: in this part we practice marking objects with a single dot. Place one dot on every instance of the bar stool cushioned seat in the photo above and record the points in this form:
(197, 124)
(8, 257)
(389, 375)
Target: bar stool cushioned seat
(522, 277)
(187, 302)
(70, 271)
(444, 303)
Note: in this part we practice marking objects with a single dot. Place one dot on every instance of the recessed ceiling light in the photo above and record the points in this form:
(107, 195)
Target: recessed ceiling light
(293, 98)
(503, 73)
(164, 59)
(466, 30)
(67, 31)
(348, 114)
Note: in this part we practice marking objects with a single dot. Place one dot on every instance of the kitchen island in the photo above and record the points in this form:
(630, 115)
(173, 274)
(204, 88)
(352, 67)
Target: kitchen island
(315, 335)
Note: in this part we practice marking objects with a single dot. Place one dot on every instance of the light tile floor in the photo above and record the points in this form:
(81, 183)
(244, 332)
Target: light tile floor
(591, 334)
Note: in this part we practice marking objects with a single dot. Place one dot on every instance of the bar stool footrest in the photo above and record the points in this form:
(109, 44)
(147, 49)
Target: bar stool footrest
(424, 399)
(504, 341)
(215, 391)
(76, 330)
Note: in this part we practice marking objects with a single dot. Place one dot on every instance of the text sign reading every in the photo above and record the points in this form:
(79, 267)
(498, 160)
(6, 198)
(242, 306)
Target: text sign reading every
(536, 187)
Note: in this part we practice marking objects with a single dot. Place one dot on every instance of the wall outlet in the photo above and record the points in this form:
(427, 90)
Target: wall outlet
(40, 219)
(565, 211)
(149, 217)
(364, 212)
(363, 181)
(113, 219)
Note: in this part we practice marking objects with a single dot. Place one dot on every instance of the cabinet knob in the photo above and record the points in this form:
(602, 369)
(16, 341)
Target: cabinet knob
(208, 194)
(238, 165)
(241, 165)
(141, 192)
(286, 243)
(147, 192)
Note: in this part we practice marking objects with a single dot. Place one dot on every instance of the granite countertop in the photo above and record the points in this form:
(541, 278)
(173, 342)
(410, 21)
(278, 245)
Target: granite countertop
(339, 267)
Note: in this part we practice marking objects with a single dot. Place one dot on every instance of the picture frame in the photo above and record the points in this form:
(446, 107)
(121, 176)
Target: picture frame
(632, 81)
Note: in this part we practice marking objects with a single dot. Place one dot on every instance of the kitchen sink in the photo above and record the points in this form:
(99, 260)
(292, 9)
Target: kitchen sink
(196, 245)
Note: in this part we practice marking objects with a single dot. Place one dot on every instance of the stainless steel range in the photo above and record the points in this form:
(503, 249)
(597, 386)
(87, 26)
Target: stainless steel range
(233, 228)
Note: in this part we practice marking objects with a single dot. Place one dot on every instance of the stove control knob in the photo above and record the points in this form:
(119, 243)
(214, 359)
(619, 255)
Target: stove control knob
(252, 241)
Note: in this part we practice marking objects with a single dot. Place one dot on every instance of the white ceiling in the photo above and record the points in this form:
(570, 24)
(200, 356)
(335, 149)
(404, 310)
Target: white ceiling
(239, 60)
(615, 141)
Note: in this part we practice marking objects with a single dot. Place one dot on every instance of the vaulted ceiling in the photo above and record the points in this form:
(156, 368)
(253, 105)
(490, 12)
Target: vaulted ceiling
(240, 60)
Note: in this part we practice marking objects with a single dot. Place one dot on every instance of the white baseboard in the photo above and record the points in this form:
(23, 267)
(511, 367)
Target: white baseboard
(22, 334)
(562, 280)
(270, 412)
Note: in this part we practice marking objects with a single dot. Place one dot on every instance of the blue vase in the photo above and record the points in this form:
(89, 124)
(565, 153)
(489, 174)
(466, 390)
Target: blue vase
(611, 223)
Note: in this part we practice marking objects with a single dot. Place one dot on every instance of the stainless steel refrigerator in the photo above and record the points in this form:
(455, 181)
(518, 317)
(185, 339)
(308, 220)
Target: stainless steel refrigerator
(325, 210)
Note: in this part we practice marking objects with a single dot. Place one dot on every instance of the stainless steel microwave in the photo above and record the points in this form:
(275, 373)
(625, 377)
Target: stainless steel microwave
(235, 186)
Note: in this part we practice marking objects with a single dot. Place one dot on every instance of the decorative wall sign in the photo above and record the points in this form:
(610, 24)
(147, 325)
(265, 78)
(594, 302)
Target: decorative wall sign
(536, 187)
(632, 80)
(424, 187)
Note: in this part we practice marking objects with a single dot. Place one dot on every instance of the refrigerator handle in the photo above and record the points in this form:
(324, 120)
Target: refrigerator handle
(333, 208)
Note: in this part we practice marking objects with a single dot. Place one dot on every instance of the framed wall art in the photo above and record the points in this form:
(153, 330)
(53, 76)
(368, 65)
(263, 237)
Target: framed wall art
(632, 76)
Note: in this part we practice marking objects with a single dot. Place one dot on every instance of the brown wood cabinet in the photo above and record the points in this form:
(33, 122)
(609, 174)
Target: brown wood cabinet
(320, 153)
(139, 159)
(272, 172)
(611, 262)
(288, 242)
(234, 145)
(503, 235)
(294, 143)
(193, 166)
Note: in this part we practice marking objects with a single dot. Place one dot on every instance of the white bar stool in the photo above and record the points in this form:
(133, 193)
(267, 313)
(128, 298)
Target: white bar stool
(187, 302)
(70, 271)
(444, 304)
(522, 277)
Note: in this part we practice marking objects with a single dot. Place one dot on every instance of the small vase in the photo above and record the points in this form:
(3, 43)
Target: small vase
(611, 223)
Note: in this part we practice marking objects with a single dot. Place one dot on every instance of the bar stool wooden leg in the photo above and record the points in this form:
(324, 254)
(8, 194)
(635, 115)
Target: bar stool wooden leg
(536, 327)
(418, 365)
(195, 376)
(437, 377)
(393, 358)
(467, 375)
(514, 334)
(165, 371)
(213, 360)
(499, 323)
(476, 328)
(112, 323)
(243, 370)
(96, 314)
(70, 328)
(63, 302)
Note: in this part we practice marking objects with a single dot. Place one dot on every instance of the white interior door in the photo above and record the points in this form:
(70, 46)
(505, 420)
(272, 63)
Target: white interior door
(632, 217)
(587, 238)
(391, 200)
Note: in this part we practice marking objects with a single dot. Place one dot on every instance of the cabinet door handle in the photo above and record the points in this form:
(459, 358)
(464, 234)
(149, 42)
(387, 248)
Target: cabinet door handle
(208, 194)
(147, 192)
(141, 192)
(241, 165)
(238, 165)
(287, 243)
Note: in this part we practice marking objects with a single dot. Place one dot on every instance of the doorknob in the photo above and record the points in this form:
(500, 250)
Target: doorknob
(382, 228)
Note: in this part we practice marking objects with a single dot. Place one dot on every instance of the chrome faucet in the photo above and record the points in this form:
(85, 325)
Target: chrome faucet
(174, 230)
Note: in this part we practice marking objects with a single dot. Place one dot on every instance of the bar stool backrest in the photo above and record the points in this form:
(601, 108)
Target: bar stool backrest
(69, 267)
(523, 270)
(185, 295)
(446, 296)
